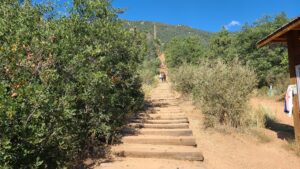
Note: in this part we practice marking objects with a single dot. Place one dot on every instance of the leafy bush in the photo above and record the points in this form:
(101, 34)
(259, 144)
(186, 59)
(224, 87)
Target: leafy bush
(65, 82)
(148, 70)
(222, 90)
(183, 78)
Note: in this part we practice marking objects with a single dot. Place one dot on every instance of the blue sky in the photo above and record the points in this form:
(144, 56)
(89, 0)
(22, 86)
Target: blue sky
(208, 15)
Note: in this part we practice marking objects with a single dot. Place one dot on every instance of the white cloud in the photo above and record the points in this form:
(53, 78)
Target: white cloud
(232, 24)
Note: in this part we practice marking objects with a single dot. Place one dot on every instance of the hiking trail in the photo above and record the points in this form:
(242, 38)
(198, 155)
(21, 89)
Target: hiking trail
(158, 138)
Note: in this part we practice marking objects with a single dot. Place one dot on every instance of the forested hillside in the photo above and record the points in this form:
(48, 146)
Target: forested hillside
(166, 32)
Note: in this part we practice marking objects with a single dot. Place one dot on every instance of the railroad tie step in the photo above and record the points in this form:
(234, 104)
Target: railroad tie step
(160, 140)
(157, 132)
(166, 132)
(159, 121)
(159, 126)
(163, 115)
(168, 111)
(160, 117)
(159, 151)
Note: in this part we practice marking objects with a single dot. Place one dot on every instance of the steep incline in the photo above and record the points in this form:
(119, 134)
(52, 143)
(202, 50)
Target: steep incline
(158, 138)
(161, 132)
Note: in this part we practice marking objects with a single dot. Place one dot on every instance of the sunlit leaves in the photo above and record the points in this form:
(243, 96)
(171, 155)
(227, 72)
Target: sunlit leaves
(58, 92)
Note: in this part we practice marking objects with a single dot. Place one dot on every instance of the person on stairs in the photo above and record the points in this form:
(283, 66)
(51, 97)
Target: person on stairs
(161, 77)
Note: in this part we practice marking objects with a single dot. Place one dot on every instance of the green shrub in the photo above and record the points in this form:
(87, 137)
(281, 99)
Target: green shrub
(223, 91)
(65, 82)
(183, 78)
(148, 70)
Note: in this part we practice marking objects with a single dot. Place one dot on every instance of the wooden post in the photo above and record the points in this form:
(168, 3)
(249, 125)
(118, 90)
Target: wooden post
(294, 59)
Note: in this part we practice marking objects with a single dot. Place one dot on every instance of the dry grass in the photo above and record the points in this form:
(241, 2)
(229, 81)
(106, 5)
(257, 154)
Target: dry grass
(263, 116)
(257, 120)
(261, 136)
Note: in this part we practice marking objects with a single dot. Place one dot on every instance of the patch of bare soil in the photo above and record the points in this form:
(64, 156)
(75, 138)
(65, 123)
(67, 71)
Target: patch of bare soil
(229, 149)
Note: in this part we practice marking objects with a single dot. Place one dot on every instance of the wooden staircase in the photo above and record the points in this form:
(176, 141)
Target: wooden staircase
(161, 133)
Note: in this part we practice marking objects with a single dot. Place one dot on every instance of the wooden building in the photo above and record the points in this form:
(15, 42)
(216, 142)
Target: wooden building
(290, 35)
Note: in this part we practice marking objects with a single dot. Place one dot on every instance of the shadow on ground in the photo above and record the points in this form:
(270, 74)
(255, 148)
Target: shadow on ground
(284, 131)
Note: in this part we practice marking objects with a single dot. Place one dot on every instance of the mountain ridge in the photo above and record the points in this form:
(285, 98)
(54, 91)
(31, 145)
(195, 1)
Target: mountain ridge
(166, 32)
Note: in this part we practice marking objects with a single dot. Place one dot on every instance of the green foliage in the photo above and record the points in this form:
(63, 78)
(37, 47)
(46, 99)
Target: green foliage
(148, 70)
(269, 63)
(165, 33)
(183, 50)
(183, 78)
(221, 90)
(220, 46)
(150, 66)
(271, 59)
(65, 82)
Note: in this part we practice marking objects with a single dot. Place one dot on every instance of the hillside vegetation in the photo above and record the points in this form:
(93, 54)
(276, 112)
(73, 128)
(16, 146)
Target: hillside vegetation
(221, 76)
(167, 32)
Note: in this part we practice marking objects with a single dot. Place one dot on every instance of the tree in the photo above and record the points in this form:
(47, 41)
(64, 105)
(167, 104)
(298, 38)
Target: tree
(221, 45)
(269, 59)
(180, 50)
(266, 62)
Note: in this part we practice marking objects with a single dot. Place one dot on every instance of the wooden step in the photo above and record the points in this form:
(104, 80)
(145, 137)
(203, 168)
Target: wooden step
(159, 126)
(162, 132)
(168, 112)
(163, 116)
(160, 140)
(160, 121)
(166, 132)
(159, 151)
(167, 109)
(159, 117)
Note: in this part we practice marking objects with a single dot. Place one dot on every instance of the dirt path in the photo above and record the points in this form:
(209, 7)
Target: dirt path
(160, 138)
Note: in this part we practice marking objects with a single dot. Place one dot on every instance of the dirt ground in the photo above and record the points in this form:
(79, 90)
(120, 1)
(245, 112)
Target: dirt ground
(235, 150)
